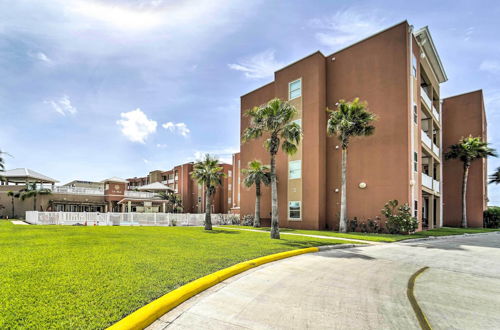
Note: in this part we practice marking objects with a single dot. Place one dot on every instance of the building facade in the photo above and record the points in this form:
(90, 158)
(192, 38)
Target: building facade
(398, 72)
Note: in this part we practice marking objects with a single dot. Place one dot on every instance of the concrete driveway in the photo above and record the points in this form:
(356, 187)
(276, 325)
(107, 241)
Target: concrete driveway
(358, 288)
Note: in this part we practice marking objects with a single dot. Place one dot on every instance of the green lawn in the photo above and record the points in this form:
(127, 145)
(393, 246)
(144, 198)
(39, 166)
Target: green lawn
(70, 277)
(378, 237)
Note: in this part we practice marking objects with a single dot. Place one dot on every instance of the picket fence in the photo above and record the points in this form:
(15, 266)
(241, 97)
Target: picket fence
(126, 219)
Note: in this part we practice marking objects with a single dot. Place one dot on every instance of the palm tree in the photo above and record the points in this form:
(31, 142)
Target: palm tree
(275, 120)
(174, 200)
(351, 119)
(208, 173)
(467, 150)
(32, 191)
(12, 195)
(495, 177)
(255, 174)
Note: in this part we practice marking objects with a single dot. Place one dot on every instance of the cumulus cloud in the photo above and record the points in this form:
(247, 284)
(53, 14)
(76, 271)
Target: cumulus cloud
(261, 65)
(161, 145)
(136, 126)
(223, 154)
(490, 66)
(40, 56)
(62, 105)
(177, 128)
(346, 27)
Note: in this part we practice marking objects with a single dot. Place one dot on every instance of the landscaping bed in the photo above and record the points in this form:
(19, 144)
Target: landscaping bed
(72, 277)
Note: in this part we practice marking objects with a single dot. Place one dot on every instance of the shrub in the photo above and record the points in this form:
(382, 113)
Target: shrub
(399, 219)
(233, 219)
(368, 226)
(352, 225)
(247, 220)
(491, 217)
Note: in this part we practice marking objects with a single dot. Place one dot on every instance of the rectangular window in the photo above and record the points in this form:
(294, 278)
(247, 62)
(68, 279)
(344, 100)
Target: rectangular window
(295, 89)
(415, 161)
(415, 210)
(229, 187)
(294, 169)
(414, 65)
(229, 173)
(294, 210)
(415, 114)
(229, 200)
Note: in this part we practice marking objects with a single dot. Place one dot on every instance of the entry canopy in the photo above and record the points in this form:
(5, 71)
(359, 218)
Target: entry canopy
(24, 175)
(155, 186)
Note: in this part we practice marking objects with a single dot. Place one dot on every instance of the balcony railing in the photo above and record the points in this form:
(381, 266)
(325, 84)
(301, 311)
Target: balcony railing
(426, 98)
(140, 194)
(426, 140)
(435, 113)
(77, 190)
(430, 183)
(435, 149)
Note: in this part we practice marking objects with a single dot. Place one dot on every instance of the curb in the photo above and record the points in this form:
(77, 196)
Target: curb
(432, 238)
(146, 315)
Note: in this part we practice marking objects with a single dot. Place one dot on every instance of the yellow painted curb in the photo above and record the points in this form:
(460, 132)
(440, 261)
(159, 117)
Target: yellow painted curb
(146, 315)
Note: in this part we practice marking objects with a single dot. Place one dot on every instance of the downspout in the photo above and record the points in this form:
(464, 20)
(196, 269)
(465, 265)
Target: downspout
(412, 130)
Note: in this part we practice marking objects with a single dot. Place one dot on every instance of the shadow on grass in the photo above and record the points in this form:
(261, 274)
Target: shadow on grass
(302, 244)
(219, 231)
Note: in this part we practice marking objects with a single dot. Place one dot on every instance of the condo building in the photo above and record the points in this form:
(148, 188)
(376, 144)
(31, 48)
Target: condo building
(398, 72)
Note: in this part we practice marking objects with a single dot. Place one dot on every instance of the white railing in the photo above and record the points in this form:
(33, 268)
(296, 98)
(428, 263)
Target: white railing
(426, 139)
(436, 186)
(126, 219)
(77, 190)
(426, 98)
(435, 113)
(426, 181)
(435, 149)
(140, 194)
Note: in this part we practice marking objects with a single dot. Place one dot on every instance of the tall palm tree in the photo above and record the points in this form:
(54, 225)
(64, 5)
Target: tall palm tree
(351, 119)
(467, 150)
(12, 195)
(32, 191)
(208, 173)
(255, 174)
(274, 119)
(495, 177)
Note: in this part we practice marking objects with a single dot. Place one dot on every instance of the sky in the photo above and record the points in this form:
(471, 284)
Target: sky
(91, 89)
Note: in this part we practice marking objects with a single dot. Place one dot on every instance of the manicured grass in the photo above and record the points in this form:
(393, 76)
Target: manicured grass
(70, 277)
(388, 238)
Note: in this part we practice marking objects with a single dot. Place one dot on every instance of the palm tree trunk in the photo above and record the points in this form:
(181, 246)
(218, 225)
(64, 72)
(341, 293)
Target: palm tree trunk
(34, 203)
(343, 197)
(464, 195)
(208, 210)
(275, 232)
(13, 211)
(256, 219)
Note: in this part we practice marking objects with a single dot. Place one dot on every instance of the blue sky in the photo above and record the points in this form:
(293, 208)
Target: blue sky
(93, 89)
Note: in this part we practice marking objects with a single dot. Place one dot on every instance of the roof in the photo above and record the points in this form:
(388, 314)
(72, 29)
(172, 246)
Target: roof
(424, 38)
(155, 186)
(115, 179)
(26, 175)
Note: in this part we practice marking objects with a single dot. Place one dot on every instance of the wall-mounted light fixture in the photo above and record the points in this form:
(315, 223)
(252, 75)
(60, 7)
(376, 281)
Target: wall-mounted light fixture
(336, 190)
(362, 185)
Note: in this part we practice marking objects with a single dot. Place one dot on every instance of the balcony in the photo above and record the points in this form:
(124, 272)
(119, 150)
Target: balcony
(429, 144)
(77, 191)
(426, 98)
(435, 113)
(430, 183)
(139, 194)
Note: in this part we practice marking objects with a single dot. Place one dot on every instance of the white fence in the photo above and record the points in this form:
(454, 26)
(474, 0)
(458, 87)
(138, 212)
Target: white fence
(125, 219)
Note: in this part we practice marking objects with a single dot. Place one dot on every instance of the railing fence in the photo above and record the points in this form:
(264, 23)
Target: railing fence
(126, 219)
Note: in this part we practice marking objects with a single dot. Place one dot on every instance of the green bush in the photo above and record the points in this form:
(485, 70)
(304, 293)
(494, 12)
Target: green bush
(247, 220)
(399, 219)
(491, 217)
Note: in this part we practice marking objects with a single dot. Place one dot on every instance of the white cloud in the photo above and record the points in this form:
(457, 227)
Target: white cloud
(490, 66)
(161, 145)
(62, 105)
(41, 57)
(468, 33)
(179, 128)
(224, 155)
(346, 27)
(145, 161)
(261, 65)
(136, 126)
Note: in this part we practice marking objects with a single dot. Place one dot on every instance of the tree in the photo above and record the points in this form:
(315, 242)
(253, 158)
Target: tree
(32, 191)
(351, 119)
(208, 173)
(495, 177)
(467, 150)
(12, 195)
(174, 200)
(255, 174)
(274, 119)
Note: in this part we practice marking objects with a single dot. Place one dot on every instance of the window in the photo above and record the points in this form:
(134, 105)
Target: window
(229, 187)
(294, 210)
(415, 113)
(229, 173)
(414, 65)
(415, 209)
(294, 169)
(229, 200)
(295, 89)
(415, 161)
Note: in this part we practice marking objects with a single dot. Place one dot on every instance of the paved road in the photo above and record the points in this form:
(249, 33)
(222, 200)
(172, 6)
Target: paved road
(357, 288)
